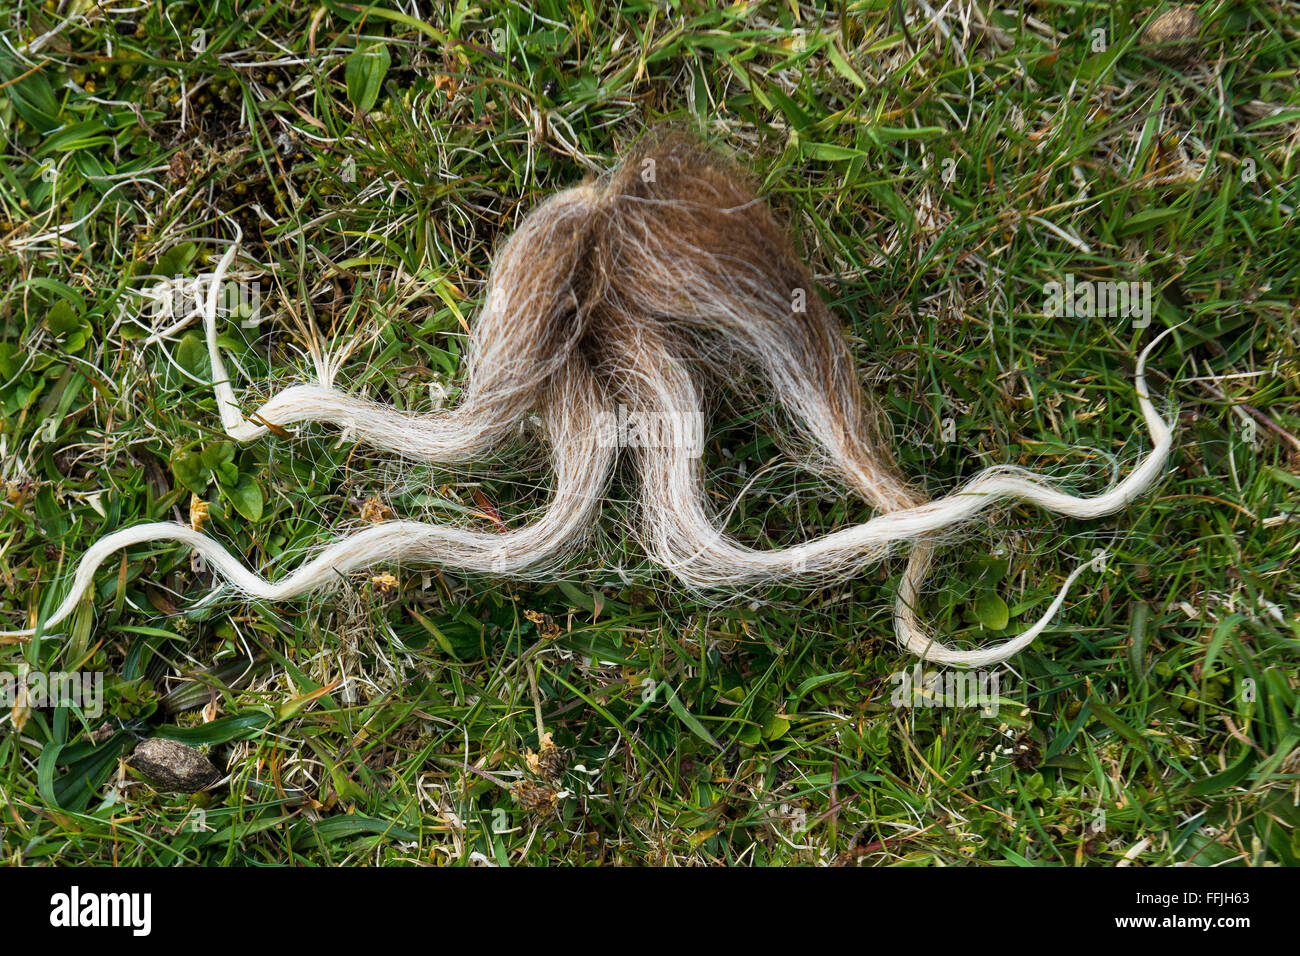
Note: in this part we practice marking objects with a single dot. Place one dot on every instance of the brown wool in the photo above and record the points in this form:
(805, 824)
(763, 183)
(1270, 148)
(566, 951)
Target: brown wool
(642, 295)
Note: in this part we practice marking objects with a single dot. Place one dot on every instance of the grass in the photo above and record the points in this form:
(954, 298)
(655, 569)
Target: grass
(938, 178)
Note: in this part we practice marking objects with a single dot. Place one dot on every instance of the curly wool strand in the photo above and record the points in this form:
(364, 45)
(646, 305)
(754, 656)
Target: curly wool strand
(642, 295)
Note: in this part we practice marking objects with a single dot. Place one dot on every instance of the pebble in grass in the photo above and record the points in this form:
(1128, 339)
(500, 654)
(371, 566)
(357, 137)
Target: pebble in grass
(1172, 36)
(173, 766)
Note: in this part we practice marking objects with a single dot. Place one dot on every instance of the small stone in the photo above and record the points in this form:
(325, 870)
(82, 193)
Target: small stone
(1172, 37)
(102, 733)
(174, 767)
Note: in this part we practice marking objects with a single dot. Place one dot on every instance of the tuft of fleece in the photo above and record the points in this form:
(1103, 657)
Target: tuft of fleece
(643, 293)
